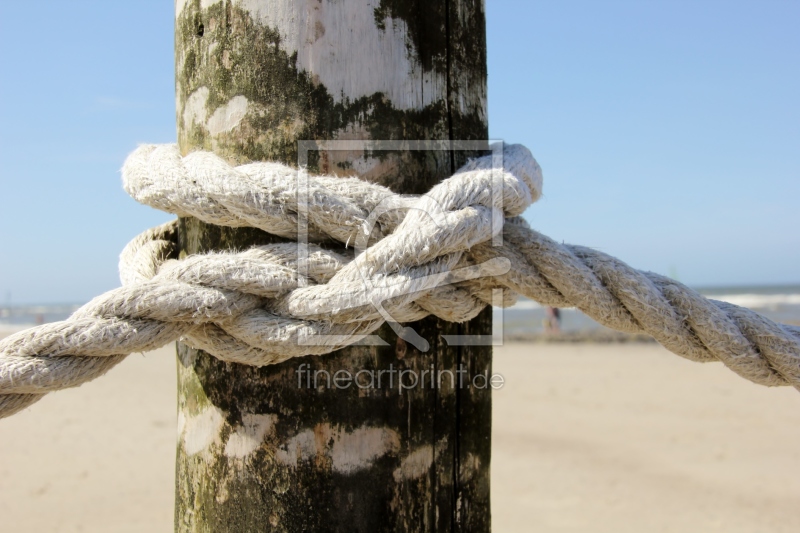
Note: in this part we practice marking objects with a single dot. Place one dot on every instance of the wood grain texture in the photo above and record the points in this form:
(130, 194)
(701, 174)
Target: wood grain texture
(256, 452)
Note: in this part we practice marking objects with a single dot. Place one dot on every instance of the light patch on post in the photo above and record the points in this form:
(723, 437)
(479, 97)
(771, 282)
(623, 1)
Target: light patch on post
(469, 466)
(227, 117)
(364, 165)
(201, 431)
(417, 463)
(195, 111)
(249, 436)
(301, 447)
(181, 423)
(180, 5)
(356, 451)
(328, 36)
(350, 452)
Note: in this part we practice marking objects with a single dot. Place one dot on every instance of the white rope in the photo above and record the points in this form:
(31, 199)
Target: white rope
(425, 255)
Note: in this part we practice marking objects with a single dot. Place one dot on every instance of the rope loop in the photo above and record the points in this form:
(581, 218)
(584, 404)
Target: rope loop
(372, 257)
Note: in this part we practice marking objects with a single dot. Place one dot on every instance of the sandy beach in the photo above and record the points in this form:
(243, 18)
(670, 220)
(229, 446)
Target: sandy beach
(587, 438)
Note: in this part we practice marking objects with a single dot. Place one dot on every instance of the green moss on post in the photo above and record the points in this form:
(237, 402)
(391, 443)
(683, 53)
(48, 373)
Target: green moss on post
(256, 452)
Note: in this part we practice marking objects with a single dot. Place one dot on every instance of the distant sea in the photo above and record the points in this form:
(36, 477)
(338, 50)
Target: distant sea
(779, 303)
(14, 317)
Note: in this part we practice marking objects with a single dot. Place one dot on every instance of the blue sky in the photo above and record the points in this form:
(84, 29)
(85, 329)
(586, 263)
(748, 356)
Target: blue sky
(668, 131)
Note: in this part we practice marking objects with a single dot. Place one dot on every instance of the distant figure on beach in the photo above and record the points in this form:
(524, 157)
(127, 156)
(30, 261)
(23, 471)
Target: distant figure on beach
(552, 322)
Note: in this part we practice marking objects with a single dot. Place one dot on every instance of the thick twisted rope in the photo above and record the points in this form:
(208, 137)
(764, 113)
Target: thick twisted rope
(418, 256)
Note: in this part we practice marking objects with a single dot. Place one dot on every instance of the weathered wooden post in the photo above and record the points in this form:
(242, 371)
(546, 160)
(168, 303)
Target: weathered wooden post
(258, 452)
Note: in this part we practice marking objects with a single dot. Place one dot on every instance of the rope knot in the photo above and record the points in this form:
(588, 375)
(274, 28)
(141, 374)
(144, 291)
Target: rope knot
(446, 253)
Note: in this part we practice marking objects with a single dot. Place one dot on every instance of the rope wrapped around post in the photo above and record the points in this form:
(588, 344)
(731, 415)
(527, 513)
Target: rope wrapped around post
(374, 256)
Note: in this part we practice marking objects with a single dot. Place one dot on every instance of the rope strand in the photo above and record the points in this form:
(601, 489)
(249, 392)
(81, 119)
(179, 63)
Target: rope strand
(432, 254)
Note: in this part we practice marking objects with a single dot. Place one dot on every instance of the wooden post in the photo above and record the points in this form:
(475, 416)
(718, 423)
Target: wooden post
(256, 451)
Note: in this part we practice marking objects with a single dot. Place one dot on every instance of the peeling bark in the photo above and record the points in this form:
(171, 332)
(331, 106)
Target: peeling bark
(256, 452)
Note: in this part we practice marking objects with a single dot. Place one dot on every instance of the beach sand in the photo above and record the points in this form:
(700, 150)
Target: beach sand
(631, 438)
(590, 438)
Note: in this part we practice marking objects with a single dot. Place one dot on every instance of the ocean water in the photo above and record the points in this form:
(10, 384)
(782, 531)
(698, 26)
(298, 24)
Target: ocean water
(19, 316)
(779, 303)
